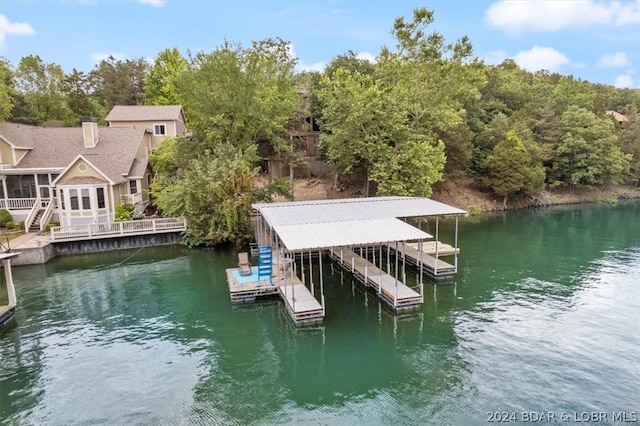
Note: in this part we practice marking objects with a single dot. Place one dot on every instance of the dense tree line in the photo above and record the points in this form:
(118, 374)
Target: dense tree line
(425, 112)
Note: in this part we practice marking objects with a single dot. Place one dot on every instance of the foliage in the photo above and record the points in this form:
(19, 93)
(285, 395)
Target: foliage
(124, 212)
(214, 195)
(630, 141)
(40, 86)
(160, 86)
(5, 217)
(278, 186)
(117, 82)
(512, 169)
(10, 225)
(7, 90)
(588, 153)
(49, 225)
(21, 225)
(76, 87)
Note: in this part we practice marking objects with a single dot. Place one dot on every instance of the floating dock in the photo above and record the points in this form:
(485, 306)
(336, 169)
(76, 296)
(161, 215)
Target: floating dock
(302, 228)
(390, 289)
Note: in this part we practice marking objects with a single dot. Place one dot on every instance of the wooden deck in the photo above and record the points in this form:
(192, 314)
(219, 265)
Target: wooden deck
(300, 304)
(393, 292)
(433, 267)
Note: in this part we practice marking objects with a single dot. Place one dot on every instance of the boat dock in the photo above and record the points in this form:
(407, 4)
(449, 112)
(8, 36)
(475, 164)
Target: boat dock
(423, 259)
(7, 312)
(390, 289)
(299, 230)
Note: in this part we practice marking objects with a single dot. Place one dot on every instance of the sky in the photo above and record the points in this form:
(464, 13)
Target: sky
(594, 40)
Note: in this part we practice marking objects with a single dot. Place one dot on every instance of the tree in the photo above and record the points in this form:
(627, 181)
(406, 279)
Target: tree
(160, 86)
(237, 99)
(630, 141)
(117, 82)
(512, 170)
(7, 90)
(40, 85)
(588, 153)
(76, 86)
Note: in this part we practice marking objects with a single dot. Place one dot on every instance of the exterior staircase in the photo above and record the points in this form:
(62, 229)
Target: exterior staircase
(35, 225)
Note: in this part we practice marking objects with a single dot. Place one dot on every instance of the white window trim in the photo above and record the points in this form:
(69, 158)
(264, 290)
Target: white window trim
(155, 133)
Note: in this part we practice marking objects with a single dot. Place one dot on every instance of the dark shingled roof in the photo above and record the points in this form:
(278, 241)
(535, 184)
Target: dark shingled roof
(145, 113)
(57, 147)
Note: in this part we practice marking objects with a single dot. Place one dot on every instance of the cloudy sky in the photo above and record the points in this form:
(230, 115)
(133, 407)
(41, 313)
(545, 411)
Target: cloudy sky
(595, 40)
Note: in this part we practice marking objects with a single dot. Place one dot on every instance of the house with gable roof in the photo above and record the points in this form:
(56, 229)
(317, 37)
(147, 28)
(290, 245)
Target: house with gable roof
(79, 175)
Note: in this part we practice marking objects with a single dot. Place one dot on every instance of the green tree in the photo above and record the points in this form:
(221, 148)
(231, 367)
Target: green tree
(76, 87)
(7, 90)
(117, 82)
(160, 87)
(588, 153)
(512, 170)
(41, 87)
(630, 141)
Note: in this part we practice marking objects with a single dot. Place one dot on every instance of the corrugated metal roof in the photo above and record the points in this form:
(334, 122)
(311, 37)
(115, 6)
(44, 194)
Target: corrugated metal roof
(320, 211)
(311, 236)
(306, 225)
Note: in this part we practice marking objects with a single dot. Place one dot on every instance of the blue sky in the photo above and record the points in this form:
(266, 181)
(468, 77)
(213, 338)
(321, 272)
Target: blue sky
(595, 40)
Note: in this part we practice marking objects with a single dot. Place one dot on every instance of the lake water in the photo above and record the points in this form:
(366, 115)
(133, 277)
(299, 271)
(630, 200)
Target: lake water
(541, 320)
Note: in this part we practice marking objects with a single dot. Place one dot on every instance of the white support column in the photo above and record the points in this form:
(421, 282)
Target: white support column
(455, 246)
(311, 274)
(321, 278)
(8, 276)
(435, 269)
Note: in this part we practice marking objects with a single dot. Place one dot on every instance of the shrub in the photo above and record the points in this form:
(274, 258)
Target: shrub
(21, 225)
(5, 217)
(51, 225)
(10, 225)
(124, 212)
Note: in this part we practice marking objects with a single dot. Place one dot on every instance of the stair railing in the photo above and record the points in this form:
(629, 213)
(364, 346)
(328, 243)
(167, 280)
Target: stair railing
(48, 213)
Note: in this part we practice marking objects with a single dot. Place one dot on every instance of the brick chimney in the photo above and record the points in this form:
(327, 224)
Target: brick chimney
(90, 131)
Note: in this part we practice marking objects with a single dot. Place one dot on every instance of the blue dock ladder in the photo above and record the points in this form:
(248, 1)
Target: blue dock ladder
(265, 267)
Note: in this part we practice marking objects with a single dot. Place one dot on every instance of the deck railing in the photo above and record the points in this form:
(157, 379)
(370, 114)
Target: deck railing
(17, 203)
(117, 229)
(131, 198)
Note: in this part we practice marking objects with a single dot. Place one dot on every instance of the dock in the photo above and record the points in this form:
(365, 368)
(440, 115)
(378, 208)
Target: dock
(302, 229)
(7, 312)
(394, 292)
(425, 262)
(277, 278)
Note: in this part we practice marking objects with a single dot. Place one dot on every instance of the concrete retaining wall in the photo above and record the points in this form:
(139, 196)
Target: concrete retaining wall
(39, 255)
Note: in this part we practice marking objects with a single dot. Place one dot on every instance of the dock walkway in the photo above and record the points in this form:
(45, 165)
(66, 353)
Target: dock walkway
(300, 304)
(434, 267)
(392, 291)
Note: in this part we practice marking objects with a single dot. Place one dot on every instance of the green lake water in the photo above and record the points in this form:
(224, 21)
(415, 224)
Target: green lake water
(543, 317)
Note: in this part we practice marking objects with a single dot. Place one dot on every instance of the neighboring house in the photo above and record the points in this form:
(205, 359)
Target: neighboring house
(78, 175)
(620, 118)
(164, 121)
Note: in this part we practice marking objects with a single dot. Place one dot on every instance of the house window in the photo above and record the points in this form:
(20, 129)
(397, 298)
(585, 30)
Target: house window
(62, 199)
(73, 199)
(133, 187)
(159, 129)
(86, 201)
(100, 196)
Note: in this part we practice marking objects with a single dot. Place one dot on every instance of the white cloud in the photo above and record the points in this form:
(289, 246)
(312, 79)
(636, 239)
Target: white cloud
(316, 66)
(367, 56)
(154, 3)
(13, 28)
(541, 58)
(614, 60)
(495, 57)
(624, 81)
(553, 15)
(97, 57)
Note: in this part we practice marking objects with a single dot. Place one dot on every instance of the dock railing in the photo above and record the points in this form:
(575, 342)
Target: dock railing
(117, 229)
